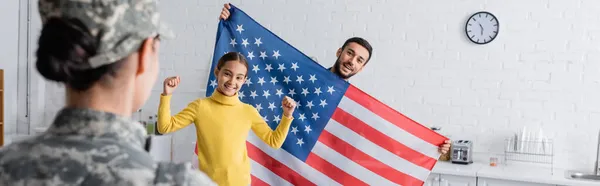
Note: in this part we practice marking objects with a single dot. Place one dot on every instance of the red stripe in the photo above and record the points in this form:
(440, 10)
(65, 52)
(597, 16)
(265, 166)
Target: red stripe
(275, 166)
(382, 140)
(257, 182)
(394, 116)
(367, 161)
(332, 171)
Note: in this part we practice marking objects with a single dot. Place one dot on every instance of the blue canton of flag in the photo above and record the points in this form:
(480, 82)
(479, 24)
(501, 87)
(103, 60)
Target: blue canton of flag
(277, 69)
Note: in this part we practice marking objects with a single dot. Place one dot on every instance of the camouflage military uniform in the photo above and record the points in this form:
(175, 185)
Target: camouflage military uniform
(88, 147)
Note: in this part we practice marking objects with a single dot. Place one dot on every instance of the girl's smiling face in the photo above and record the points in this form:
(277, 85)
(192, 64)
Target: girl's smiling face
(230, 77)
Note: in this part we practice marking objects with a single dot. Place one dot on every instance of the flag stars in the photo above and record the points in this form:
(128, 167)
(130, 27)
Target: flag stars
(232, 43)
(309, 104)
(241, 95)
(269, 68)
(286, 79)
(266, 94)
(274, 80)
(272, 106)
(318, 91)
(302, 117)
(315, 116)
(294, 130)
(279, 92)
(307, 129)
(292, 92)
(251, 55)
(240, 28)
(323, 103)
(248, 81)
(330, 90)
(213, 83)
(304, 91)
(300, 142)
(257, 41)
(258, 107)
(295, 66)
(313, 78)
(277, 118)
(245, 42)
(263, 55)
(261, 80)
(265, 118)
(299, 79)
(253, 94)
(276, 54)
(255, 68)
(281, 67)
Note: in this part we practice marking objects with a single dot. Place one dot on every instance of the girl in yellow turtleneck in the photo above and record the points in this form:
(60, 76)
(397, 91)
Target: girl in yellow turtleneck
(222, 123)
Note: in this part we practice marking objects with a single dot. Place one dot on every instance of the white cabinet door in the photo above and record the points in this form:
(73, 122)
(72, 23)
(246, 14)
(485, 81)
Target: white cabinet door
(432, 180)
(449, 180)
(498, 182)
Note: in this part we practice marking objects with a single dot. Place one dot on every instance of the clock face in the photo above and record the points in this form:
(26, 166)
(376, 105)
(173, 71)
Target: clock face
(482, 27)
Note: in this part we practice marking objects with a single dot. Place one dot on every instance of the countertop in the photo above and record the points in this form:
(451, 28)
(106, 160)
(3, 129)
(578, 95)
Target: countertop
(513, 172)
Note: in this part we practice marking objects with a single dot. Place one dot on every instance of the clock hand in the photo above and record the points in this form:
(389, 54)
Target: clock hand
(481, 29)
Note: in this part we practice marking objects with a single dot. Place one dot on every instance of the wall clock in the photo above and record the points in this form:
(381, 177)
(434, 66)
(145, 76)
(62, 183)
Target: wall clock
(482, 27)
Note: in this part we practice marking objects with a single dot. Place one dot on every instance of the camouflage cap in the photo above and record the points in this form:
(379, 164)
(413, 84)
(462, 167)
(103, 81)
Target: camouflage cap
(119, 25)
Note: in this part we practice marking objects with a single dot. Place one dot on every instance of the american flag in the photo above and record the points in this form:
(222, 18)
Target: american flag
(340, 135)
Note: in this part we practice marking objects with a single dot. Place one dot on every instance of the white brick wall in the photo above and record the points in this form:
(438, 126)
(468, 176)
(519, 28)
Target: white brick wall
(9, 34)
(541, 71)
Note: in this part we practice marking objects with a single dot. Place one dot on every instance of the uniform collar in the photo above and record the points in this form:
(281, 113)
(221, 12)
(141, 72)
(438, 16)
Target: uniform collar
(98, 124)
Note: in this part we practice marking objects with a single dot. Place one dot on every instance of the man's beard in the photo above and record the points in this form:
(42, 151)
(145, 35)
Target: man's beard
(337, 71)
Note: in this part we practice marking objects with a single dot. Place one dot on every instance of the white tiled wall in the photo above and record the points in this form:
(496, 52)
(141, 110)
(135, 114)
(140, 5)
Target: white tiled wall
(543, 70)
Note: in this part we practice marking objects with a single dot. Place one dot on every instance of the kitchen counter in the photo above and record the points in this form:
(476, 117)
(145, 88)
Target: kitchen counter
(442, 167)
(513, 172)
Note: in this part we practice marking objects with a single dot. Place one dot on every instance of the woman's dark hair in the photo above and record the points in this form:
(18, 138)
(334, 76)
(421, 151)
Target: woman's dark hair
(64, 48)
(232, 56)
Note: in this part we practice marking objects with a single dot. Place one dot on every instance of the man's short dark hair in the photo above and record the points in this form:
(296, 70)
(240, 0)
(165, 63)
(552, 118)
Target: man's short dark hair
(362, 42)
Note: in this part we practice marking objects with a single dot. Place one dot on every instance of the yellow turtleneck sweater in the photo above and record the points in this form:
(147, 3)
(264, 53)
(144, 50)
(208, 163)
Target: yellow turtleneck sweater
(222, 125)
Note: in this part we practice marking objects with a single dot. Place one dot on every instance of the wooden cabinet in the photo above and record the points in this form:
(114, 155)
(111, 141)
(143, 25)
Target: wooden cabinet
(450, 180)
(499, 182)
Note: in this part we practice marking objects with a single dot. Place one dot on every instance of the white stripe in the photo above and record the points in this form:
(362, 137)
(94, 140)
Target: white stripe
(292, 162)
(266, 175)
(388, 128)
(349, 166)
(376, 151)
